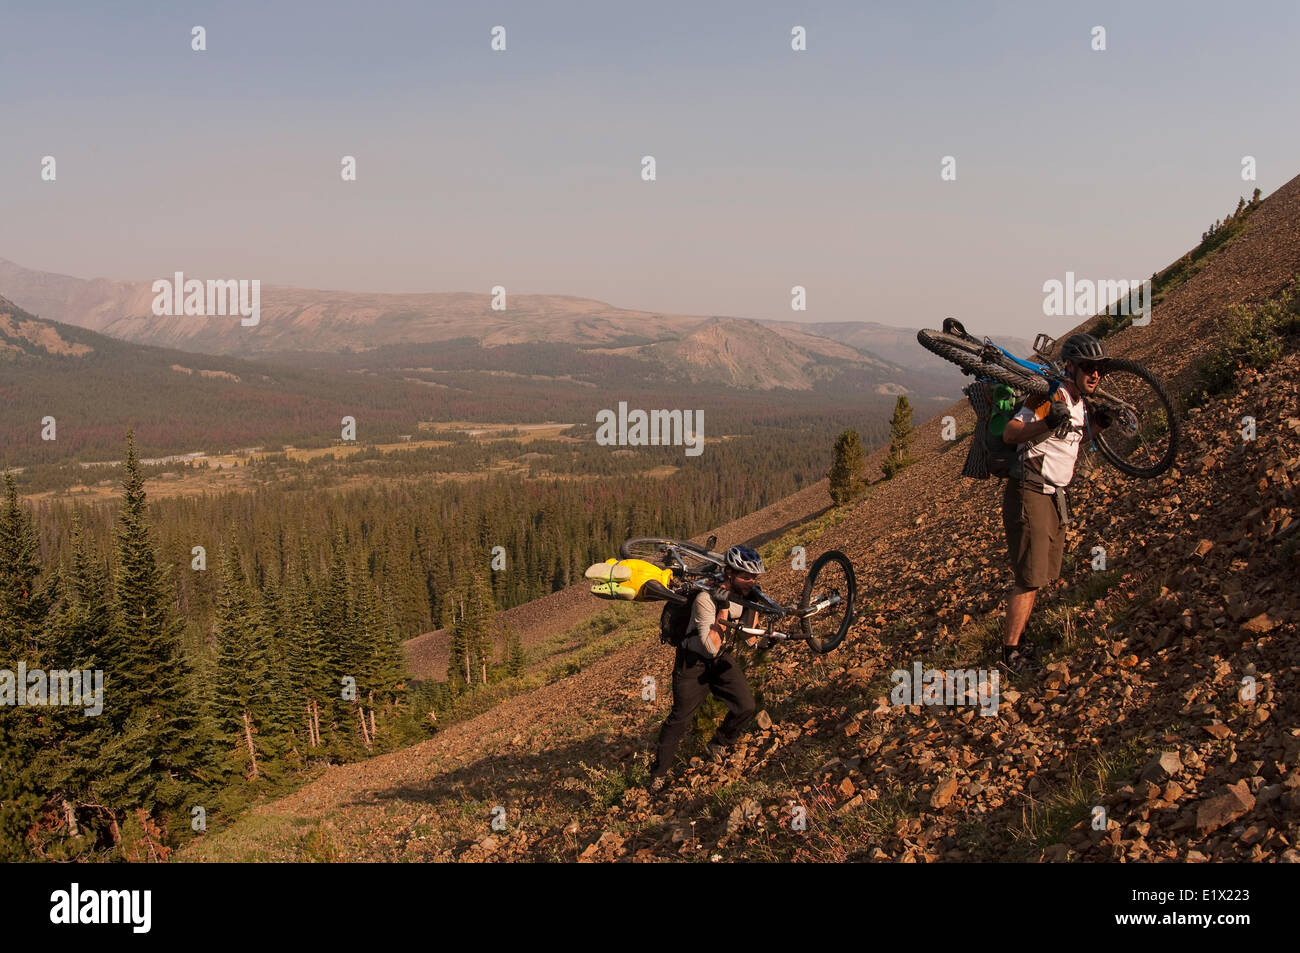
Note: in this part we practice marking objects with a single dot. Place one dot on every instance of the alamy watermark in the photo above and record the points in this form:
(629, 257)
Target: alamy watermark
(654, 428)
(215, 297)
(950, 686)
(129, 907)
(1082, 298)
(77, 688)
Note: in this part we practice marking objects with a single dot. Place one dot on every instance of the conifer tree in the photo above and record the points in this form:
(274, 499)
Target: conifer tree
(24, 601)
(900, 439)
(405, 590)
(440, 586)
(367, 630)
(68, 766)
(308, 683)
(279, 718)
(336, 618)
(24, 606)
(480, 613)
(458, 625)
(846, 480)
(150, 694)
(387, 674)
(516, 658)
(243, 696)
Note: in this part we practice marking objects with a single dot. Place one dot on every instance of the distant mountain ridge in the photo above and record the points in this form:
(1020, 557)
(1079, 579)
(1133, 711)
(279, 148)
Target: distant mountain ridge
(22, 333)
(899, 344)
(96, 386)
(297, 319)
(748, 354)
(736, 352)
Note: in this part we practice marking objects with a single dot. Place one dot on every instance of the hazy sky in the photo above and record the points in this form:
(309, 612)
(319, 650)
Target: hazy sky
(522, 167)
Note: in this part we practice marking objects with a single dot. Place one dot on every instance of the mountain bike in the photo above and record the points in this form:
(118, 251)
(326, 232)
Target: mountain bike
(1142, 439)
(823, 613)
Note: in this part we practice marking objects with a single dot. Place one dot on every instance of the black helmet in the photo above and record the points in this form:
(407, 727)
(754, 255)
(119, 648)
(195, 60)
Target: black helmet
(1083, 347)
(745, 559)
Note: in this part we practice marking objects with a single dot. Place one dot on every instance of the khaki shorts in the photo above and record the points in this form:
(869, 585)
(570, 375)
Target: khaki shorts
(1035, 536)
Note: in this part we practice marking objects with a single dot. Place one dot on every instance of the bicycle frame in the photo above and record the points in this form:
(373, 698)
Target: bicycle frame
(694, 569)
(1048, 370)
(1055, 376)
(1042, 376)
(772, 611)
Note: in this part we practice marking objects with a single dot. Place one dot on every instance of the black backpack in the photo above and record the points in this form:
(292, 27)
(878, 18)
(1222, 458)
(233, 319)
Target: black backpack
(675, 622)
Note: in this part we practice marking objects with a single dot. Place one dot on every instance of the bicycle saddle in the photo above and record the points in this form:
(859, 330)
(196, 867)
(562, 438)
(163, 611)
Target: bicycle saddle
(653, 590)
(954, 327)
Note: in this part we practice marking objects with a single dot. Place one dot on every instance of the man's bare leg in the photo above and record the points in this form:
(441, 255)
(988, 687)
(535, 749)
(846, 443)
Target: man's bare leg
(1019, 604)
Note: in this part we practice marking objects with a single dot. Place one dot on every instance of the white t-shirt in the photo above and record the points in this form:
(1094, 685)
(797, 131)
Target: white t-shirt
(1053, 457)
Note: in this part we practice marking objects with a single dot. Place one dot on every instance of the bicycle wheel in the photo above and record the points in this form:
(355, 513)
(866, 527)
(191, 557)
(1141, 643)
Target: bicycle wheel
(656, 549)
(970, 357)
(1142, 440)
(826, 608)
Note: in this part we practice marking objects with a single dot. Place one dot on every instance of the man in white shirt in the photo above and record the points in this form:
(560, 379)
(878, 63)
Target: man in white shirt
(1034, 512)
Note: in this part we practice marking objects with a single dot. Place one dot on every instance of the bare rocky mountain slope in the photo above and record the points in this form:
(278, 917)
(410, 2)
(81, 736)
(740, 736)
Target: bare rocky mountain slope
(1165, 725)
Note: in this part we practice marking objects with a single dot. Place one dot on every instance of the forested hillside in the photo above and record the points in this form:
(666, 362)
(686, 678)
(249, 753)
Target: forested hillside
(257, 603)
(96, 387)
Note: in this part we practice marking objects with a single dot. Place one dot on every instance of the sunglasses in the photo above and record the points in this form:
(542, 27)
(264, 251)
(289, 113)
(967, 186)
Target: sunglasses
(1092, 367)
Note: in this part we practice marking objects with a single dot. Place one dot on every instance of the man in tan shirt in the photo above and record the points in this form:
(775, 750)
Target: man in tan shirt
(703, 665)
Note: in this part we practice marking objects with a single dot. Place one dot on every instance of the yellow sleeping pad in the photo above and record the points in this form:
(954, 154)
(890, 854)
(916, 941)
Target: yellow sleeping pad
(625, 578)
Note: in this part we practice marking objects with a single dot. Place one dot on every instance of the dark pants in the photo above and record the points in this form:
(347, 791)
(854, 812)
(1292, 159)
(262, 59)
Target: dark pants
(694, 677)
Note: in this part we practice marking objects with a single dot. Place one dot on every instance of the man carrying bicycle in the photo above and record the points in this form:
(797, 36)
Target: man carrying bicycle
(1034, 510)
(703, 665)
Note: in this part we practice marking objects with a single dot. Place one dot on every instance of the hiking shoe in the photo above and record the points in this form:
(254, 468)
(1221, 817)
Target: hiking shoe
(1022, 661)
